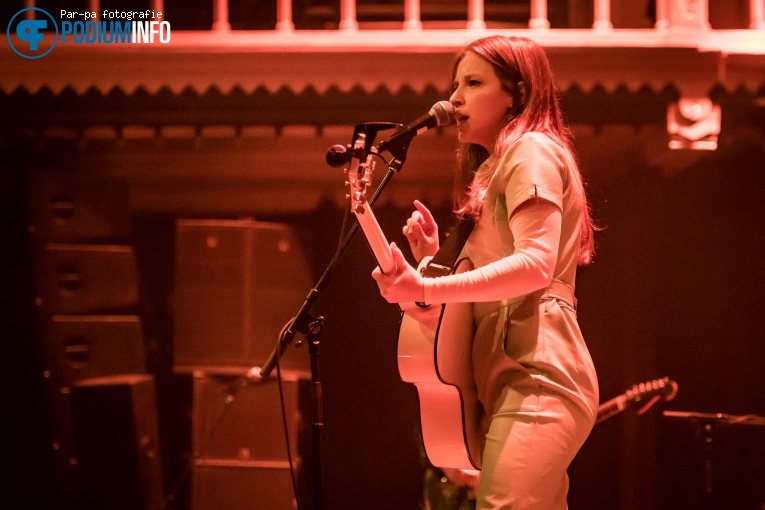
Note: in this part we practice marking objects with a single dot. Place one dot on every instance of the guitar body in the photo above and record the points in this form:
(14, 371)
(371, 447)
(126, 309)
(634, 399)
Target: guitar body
(434, 354)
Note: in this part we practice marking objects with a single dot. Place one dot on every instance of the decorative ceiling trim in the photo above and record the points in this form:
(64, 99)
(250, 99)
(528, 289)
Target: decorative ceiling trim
(693, 61)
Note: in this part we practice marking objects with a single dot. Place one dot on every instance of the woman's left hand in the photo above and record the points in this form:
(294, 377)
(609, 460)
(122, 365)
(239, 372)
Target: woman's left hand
(404, 284)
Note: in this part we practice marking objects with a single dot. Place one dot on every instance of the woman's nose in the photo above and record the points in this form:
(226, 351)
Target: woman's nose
(455, 98)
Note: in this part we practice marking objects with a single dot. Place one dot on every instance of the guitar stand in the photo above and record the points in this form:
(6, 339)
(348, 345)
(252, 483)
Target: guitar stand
(311, 327)
(705, 424)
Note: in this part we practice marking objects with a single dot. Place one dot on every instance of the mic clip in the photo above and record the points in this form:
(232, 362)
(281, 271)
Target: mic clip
(340, 155)
(399, 146)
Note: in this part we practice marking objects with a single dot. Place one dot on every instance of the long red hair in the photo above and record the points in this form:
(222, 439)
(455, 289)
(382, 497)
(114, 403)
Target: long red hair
(518, 60)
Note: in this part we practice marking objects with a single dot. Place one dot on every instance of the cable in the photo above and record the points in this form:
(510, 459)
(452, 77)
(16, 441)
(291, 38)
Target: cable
(285, 425)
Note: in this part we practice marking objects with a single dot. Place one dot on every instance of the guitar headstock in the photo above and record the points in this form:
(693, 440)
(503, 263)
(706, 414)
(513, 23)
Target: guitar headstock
(359, 174)
(650, 392)
(644, 394)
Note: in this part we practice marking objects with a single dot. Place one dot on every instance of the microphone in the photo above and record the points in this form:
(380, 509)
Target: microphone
(337, 156)
(440, 114)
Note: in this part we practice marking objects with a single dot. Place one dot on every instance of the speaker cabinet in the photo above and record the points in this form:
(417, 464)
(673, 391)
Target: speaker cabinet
(236, 419)
(239, 442)
(78, 348)
(86, 278)
(69, 207)
(86, 346)
(241, 485)
(117, 441)
(237, 283)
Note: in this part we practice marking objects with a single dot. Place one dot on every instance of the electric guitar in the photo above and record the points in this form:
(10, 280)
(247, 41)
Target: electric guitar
(434, 350)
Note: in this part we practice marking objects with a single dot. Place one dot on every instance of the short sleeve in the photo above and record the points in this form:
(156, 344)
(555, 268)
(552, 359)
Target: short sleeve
(533, 167)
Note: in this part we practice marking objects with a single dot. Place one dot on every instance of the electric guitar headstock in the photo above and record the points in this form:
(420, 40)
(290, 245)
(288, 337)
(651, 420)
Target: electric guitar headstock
(663, 388)
(645, 394)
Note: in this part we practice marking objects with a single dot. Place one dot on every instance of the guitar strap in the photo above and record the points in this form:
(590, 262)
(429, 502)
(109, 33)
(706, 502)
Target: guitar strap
(443, 261)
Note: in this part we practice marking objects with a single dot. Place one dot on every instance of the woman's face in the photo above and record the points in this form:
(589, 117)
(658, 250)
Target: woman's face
(480, 100)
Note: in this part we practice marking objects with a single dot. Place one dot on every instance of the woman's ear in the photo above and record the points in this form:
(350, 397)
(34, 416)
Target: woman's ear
(522, 91)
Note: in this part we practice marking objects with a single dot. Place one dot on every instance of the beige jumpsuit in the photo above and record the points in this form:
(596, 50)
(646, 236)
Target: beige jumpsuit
(534, 375)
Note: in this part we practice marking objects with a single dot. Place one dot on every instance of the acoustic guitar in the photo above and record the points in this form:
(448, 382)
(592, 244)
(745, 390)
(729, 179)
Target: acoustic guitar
(434, 349)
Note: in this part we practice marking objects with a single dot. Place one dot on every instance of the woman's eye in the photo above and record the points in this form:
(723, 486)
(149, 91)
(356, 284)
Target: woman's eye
(473, 83)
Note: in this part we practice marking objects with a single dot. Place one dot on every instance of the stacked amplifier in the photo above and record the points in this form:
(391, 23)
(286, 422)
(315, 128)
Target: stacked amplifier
(237, 283)
(103, 400)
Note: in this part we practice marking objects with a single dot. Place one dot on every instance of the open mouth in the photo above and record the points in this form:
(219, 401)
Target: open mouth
(459, 118)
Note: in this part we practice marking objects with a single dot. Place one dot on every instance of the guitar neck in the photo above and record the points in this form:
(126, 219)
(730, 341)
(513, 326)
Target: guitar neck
(375, 237)
(610, 409)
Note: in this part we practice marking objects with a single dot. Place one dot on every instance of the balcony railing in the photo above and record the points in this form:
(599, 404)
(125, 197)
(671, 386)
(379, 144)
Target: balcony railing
(668, 13)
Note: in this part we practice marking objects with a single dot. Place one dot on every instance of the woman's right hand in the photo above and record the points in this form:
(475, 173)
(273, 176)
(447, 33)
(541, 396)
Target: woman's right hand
(422, 232)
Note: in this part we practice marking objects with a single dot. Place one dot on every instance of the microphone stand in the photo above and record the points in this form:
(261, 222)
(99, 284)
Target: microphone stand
(705, 423)
(310, 326)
